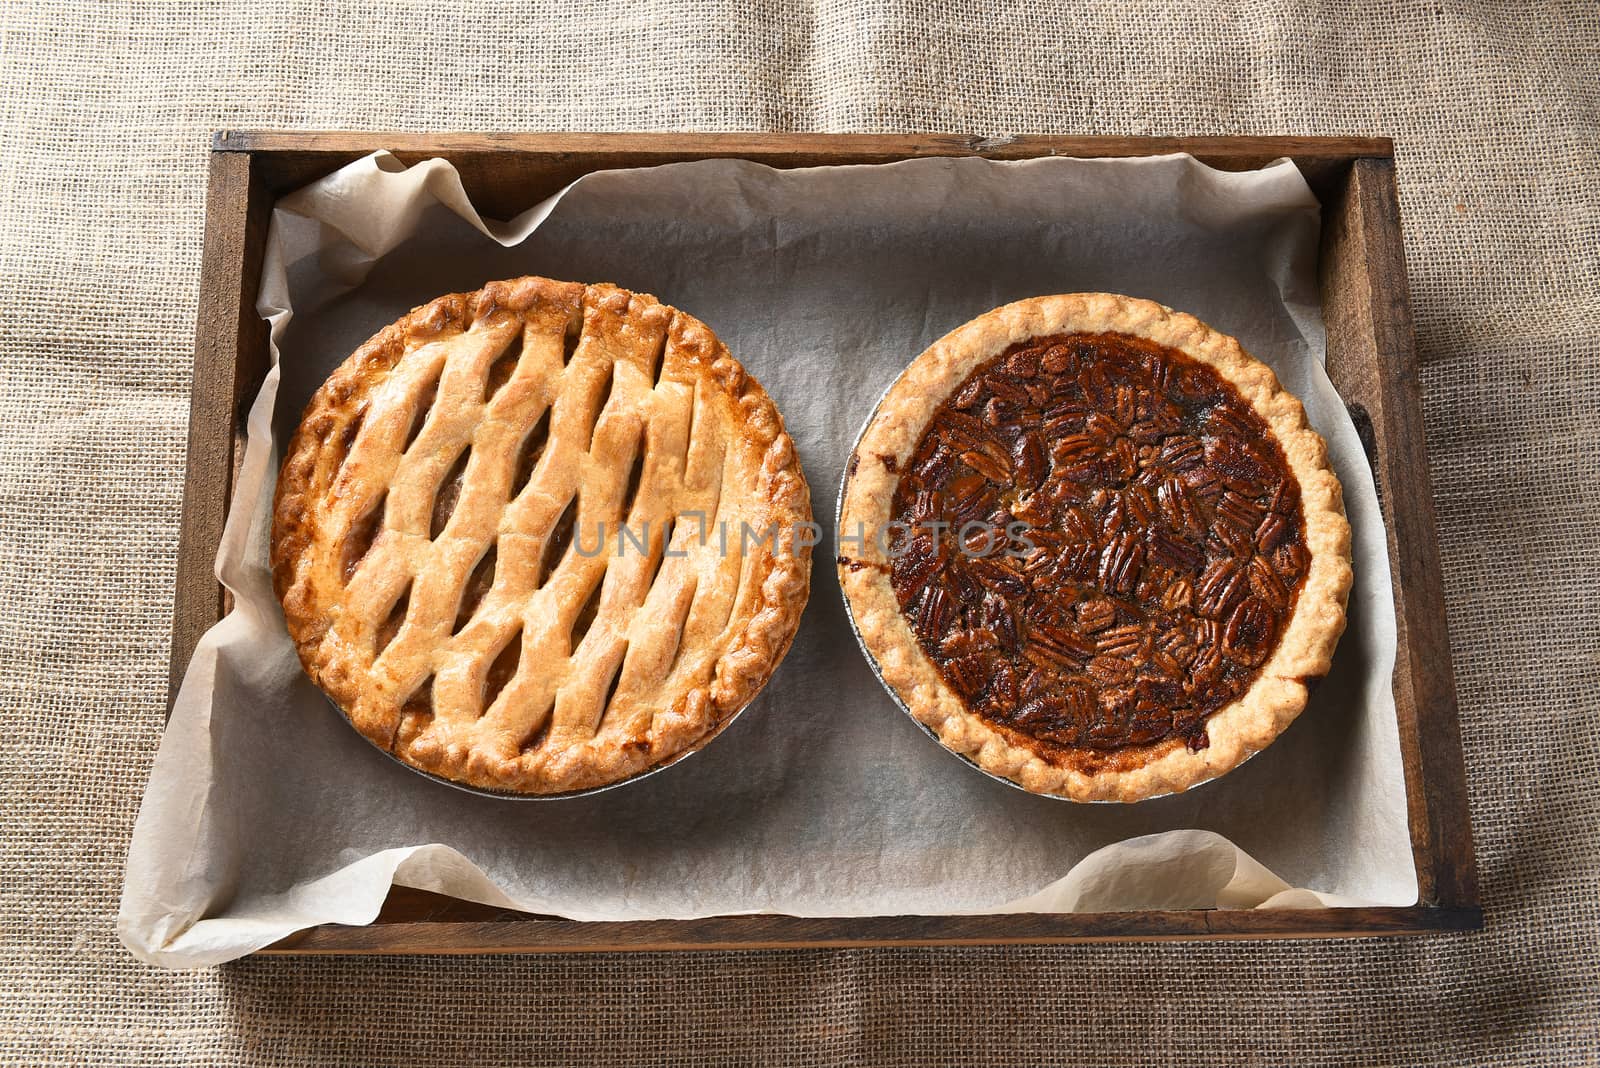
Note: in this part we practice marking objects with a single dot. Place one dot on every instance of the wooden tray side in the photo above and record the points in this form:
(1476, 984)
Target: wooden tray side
(516, 934)
(509, 172)
(1371, 359)
(230, 358)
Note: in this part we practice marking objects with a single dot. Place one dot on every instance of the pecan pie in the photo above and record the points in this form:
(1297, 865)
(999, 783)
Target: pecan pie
(499, 541)
(1093, 545)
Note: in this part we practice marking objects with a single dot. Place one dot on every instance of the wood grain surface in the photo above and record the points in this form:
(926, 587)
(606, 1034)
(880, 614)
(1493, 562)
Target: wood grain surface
(510, 172)
(230, 358)
(1372, 361)
(499, 932)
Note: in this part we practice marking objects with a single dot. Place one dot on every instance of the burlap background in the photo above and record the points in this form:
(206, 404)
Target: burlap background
(103, 133)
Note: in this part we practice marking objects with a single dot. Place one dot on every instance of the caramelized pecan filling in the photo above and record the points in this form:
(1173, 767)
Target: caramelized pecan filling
(1099, 544)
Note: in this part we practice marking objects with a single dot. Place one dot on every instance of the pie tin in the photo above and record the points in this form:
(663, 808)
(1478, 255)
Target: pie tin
(506, 795)
(894, 694)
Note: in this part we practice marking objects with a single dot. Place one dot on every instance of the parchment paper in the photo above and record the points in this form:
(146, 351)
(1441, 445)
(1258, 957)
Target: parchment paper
(266, 812)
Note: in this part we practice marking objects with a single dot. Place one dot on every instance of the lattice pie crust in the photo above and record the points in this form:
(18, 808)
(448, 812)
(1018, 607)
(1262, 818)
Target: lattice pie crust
(448, 539)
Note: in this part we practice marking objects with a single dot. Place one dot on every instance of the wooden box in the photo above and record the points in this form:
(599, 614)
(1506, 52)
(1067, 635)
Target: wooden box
(1370, 359)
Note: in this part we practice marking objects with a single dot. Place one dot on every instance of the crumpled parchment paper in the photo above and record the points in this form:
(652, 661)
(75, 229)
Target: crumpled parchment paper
(267, 813)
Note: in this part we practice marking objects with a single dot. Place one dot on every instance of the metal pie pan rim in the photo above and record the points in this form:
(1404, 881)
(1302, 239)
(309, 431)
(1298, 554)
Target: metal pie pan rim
(565, 795)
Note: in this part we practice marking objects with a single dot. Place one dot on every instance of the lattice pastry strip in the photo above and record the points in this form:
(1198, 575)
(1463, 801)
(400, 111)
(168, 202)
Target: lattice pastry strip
(498, 536)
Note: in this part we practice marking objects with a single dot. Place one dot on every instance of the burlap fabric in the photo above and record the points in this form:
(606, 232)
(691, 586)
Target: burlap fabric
(103, 137)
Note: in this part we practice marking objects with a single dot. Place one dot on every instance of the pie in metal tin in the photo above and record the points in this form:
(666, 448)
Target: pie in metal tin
(1094, 546)
(496, 537)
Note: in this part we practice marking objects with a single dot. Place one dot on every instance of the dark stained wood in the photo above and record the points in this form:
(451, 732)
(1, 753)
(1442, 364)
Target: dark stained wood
(1372, 360)
(506, 173)
(230, 358)
(406, 904)
(826, 148)
(521, 935)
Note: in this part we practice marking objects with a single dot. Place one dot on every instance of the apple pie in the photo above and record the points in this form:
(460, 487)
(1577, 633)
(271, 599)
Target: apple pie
(511, 536)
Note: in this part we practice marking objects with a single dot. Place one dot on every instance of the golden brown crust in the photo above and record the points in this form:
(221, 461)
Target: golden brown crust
(1239, 729)
(446, 536)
